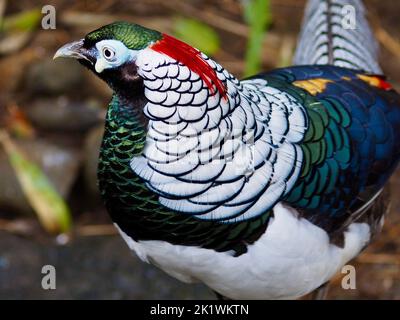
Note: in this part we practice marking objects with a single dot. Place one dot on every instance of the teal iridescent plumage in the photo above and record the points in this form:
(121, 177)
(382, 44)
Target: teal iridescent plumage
(343, 158)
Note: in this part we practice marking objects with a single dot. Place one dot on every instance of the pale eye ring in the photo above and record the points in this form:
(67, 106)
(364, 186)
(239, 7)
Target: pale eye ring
(108, 53)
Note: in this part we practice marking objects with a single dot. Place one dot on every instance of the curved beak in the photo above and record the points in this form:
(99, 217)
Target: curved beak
(73, 50)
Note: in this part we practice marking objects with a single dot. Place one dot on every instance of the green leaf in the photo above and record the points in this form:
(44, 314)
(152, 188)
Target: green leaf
(52, 211)
(197, 34)
(257, 14)
(23, 21)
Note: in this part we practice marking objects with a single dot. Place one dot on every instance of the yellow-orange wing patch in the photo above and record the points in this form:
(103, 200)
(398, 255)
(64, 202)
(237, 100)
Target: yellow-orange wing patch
(313, 86)
(375, 81)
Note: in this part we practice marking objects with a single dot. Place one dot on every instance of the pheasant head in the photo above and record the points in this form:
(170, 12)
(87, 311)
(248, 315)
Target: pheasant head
(125, 54)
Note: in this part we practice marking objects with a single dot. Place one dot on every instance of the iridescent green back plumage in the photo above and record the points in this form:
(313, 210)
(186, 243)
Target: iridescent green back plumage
(351, 146)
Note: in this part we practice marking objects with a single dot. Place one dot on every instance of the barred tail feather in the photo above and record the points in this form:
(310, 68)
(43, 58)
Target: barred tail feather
(325, 39)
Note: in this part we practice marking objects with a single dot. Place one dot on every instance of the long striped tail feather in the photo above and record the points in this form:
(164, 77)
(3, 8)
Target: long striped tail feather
(336, 32)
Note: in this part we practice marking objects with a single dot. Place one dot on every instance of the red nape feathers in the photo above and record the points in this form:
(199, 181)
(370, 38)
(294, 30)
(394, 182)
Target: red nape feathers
(191, 58)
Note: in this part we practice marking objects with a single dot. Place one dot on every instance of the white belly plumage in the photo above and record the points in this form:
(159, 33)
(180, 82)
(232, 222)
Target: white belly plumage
(292, 258)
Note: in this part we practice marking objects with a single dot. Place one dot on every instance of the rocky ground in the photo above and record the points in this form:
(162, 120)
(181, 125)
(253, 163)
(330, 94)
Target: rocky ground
(65, 116)
(88, 268)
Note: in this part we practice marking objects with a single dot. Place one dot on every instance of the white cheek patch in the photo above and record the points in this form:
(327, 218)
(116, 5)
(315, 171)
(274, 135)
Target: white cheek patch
(122, 55)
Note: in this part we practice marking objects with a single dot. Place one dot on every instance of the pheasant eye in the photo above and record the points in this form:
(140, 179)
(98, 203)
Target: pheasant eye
(108, 53)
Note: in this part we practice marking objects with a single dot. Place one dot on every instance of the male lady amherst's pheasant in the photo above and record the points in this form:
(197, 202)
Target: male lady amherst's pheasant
(260, 188)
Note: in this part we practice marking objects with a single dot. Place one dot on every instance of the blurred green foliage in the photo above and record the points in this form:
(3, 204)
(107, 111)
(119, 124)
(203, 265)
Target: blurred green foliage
(197, 34)
(23, 21)
(258, 16)
(52, 211)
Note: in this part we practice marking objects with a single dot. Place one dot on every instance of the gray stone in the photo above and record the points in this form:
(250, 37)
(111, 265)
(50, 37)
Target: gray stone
(61, 114)
(54, 77)
(86, 268)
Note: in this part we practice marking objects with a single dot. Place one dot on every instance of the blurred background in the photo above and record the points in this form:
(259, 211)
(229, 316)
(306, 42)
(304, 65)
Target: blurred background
(51, 119)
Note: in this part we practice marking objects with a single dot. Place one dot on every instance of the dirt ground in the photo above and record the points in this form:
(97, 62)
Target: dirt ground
(65, 115)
